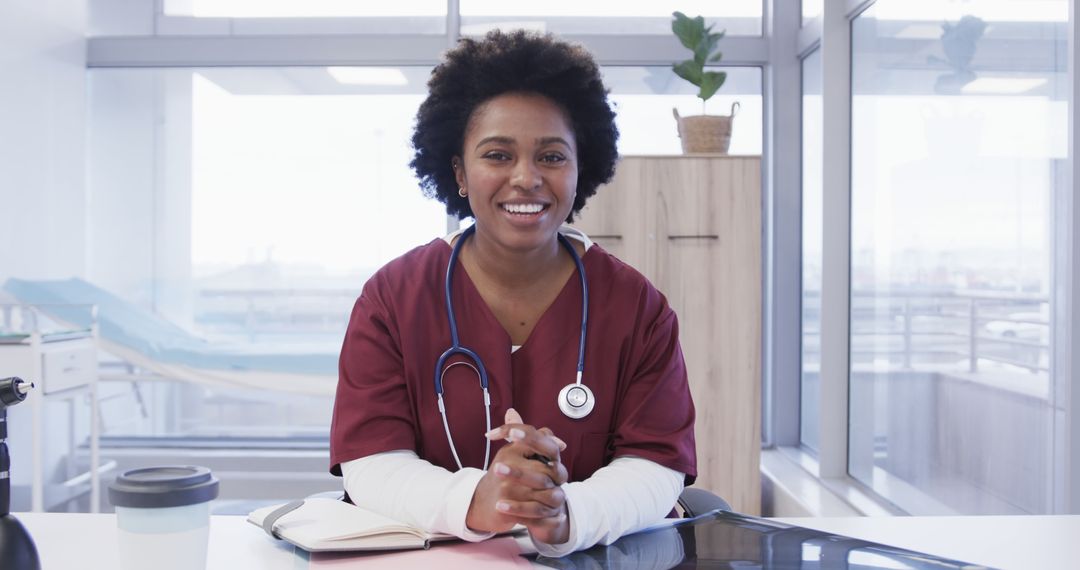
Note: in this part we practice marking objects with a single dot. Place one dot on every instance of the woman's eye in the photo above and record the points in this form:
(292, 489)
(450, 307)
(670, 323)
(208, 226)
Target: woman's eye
(496, 155)
(553, 158)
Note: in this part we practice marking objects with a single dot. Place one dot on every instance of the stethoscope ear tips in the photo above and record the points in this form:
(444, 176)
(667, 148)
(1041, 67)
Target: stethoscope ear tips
(576, 401)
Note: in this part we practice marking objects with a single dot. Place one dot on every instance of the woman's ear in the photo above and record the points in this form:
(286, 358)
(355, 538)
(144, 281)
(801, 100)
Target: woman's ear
(459, 171)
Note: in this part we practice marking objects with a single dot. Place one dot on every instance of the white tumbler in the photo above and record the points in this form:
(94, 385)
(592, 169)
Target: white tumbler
(163, 516)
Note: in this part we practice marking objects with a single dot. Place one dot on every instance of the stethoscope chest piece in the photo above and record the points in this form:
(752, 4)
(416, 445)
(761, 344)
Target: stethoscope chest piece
(576, 401)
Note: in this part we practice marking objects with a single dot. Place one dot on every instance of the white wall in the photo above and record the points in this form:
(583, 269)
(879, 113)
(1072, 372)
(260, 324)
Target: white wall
(42, 138)
(43, 200)
(139, 181)
(120, 180)
(121, 18)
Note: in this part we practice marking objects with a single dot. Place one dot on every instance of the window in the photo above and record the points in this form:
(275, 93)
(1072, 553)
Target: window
(275, 17)
(812, 132)
(811, 9)
(306, 9)
(249, 205)
(959, 114)
(738, 17)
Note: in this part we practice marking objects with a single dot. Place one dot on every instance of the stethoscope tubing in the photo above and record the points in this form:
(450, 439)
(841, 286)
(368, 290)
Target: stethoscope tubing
(478, 364)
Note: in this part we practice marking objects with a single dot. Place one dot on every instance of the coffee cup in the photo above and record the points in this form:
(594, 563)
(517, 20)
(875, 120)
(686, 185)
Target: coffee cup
(163, 516)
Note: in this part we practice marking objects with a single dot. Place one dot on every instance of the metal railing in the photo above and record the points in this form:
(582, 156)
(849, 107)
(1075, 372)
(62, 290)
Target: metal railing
(259, 312)
(909, 328)
(905, 328)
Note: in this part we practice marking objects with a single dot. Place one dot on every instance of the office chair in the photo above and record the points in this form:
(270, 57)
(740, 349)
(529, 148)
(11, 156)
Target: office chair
(695, 502)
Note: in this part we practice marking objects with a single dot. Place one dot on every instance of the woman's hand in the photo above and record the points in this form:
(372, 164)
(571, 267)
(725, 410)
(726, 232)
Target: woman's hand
(522, 485)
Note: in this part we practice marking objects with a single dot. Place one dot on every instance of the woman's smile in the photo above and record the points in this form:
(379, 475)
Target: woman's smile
(525, 213)
(524, 209)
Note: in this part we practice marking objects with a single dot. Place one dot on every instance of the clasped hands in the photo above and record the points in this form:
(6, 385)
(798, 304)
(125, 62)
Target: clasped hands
(522, 485)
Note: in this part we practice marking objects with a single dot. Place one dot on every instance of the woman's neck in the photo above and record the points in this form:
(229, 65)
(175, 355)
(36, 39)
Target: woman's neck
(513, 269)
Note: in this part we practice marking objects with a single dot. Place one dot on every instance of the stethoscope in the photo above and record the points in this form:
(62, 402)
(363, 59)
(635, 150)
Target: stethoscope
(575, 400)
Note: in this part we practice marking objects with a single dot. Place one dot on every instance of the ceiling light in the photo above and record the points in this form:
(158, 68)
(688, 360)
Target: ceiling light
(1003, 85)
(368, 75)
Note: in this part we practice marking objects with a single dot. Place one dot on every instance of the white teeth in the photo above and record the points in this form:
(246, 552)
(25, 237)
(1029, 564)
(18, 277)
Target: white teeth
(523, 208)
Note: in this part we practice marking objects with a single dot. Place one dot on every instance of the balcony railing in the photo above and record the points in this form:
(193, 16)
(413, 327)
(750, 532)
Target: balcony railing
(961, 330)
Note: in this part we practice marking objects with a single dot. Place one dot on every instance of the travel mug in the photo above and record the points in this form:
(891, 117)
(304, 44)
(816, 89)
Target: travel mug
(163, 516)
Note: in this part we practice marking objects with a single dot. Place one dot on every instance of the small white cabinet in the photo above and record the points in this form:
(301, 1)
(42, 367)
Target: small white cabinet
(63, 367)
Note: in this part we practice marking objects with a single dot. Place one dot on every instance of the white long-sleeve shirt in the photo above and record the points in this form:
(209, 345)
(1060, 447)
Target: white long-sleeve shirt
(627, 495)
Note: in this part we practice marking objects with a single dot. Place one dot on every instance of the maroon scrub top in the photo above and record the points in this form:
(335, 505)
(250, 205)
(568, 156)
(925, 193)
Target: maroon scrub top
(633, 363)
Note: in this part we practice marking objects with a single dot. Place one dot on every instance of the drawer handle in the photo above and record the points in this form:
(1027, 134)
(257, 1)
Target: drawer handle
(606, 236)
(693, 236)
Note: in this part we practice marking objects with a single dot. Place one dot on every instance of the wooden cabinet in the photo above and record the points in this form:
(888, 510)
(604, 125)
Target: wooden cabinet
(692, 226)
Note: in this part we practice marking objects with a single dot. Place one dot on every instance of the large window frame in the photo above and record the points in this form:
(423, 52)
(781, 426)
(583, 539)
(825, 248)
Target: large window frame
(831, 33)
(161, 41)
(1069, 288)
(778, 51)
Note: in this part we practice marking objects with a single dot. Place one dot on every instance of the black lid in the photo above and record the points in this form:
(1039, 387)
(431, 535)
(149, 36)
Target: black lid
(165, 486)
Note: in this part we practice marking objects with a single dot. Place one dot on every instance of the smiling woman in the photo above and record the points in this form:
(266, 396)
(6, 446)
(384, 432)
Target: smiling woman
(517, 133)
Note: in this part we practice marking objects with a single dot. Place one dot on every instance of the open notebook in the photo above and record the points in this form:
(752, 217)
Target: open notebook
(327, 525)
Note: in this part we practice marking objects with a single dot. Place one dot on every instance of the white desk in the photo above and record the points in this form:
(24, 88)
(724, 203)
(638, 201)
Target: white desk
(1020, 542)
(80, 541)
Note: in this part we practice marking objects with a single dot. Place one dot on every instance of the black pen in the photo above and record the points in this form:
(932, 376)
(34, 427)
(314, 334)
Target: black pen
(541, 458)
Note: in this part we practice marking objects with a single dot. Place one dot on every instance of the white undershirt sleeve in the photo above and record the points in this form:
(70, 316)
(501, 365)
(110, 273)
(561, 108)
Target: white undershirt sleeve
(622, 497)
(400, 485)
(625, 496)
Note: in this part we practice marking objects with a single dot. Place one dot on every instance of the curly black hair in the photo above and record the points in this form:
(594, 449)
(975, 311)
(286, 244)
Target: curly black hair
(512, 62)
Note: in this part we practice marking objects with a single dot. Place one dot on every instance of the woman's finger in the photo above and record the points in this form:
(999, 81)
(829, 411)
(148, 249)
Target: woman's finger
(531, 510)
(526, 465)
(549, 531)
(535, 440)
(541, 443)
(513, 417)
(561, 474)
(529, 467)
(530, 478)
(554, 497)
(551, 434)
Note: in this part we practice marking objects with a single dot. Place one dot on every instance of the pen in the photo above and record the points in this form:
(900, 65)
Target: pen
(542, 459)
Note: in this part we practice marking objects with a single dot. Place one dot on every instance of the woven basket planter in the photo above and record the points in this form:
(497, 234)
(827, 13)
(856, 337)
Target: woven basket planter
(705, 133)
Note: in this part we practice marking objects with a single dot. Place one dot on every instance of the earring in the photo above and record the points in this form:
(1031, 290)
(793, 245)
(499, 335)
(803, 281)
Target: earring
(461, 192)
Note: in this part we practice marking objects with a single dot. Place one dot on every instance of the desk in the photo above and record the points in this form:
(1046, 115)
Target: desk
(76, 540)
(1021, 542)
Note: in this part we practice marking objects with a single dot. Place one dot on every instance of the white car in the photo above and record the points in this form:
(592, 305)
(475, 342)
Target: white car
(1024, 326)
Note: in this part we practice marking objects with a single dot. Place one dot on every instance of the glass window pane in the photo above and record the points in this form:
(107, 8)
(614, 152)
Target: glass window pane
(812, 135)
(959, 122)
(645, 96)
(249, 206)
(306, 9)
(811, 9)
(738, 17)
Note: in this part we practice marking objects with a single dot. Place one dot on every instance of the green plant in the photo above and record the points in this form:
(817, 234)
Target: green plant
(700, 39)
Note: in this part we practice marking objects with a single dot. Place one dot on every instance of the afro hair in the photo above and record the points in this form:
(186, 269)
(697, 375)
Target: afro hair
(512, 62)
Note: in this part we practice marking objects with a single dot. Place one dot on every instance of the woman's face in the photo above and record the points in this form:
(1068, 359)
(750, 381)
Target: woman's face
(519, 167)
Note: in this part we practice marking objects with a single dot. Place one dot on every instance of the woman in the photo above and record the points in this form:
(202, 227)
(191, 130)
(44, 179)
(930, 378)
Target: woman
(516, 133)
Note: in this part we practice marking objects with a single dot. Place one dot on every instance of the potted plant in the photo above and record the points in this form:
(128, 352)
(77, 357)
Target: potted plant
(701, 133)
(958, 41)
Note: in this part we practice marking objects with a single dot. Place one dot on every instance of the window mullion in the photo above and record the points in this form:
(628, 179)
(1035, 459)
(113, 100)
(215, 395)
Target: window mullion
(836, 240)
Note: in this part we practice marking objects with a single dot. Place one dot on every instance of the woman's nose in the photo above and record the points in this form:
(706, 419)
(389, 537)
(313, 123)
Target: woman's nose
(526, 175)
